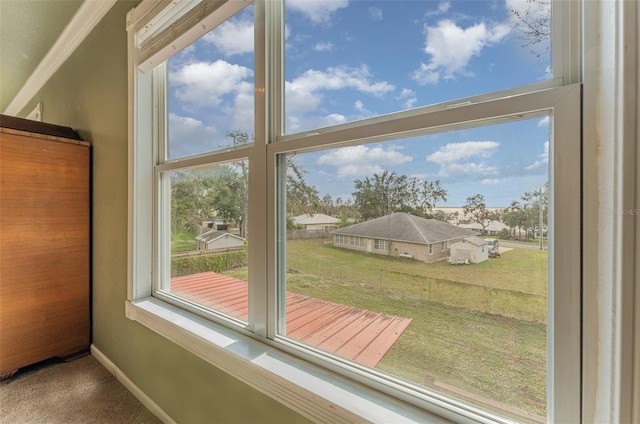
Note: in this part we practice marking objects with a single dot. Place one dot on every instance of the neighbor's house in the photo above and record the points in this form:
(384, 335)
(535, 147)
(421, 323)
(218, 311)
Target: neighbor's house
(402, 234)
(316, 222)
(491, 228)
(214, 239)
(469, 250)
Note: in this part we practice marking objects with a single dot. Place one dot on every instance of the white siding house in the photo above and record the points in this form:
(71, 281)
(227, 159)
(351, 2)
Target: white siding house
(218, 240)
(316, 222)
(469, 250)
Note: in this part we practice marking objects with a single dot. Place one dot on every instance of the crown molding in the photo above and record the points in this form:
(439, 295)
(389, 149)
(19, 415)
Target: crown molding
(86, 18)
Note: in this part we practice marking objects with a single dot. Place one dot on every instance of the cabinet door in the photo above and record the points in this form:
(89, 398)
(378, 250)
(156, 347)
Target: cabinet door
(44, 249)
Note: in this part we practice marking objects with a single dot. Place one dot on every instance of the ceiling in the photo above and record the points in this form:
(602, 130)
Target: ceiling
(28, 29)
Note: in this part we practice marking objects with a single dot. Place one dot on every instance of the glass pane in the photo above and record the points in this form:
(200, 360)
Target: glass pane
(209, 244)
(210, 90)
(426, 258)
(349, 60)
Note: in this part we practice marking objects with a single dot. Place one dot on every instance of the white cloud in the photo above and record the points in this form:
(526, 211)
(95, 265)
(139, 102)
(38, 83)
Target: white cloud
(359, 106)
(455, 158)
(304, 94)
(188, 136)
(443, 7)
(205, 83)
(341, 77)
(409, 98)
(544, 122)
(375, 13)
(323, 47)
(543, 159)
(363, 160)
(233, 37)
(491, 181)
(318, 11)
(452, 47)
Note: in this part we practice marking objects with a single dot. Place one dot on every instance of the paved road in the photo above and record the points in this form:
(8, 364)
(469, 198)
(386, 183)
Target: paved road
(521, 245)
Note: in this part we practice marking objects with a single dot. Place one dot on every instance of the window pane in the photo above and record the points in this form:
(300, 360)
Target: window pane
(210, 90)
(349, 60)
(387, 268)
(208, 243)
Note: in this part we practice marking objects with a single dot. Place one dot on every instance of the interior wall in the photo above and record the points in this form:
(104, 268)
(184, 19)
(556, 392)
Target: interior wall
(89, 93)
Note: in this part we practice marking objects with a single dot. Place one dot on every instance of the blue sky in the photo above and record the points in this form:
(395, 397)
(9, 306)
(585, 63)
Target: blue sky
(347, 60)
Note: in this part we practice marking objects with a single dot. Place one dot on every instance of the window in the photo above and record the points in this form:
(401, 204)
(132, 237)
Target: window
(381, 245)
(229, 146)
(341, 239)
(357, 241)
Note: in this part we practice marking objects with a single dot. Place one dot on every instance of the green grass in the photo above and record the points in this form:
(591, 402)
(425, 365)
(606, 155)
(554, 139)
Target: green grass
(495, 356)
(183, 241)
(452, 341)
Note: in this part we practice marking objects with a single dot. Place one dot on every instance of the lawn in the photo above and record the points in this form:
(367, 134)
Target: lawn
(183, 241)
(453, 345)
(484, 357)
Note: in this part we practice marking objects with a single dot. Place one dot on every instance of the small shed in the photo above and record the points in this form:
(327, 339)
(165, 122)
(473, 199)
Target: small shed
(215, 239)
(469, 250)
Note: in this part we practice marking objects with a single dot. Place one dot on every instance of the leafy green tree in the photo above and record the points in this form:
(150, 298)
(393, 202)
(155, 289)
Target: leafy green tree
(190, 202)
(301, 197)
(515, 217)
(536, 206)
(389, 192)
(477, 209)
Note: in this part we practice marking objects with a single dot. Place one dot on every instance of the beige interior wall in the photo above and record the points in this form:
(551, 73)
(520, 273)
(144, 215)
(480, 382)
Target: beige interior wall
(89, 93)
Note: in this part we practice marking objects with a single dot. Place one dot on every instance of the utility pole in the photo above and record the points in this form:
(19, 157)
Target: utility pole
(540, 218)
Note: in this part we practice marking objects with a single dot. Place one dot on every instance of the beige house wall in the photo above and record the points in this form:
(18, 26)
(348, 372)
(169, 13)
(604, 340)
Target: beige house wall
(419, 252)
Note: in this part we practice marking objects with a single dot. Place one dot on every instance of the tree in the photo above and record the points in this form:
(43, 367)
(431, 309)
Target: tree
(476, 207)
(536, 204)
(388, 192)
(230, 199)
(240, 138)
(515, 217)
(192, 200)
(301, 197)
(534, 22)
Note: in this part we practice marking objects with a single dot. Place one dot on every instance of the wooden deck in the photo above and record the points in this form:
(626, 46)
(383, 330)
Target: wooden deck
(356, 334)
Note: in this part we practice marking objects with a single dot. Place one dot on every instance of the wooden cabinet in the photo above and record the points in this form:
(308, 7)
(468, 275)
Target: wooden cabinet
(44, 247)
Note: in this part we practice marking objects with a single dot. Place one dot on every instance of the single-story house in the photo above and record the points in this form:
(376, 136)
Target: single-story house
(316, 222)
(469, 250)
(215, 239)
(492, 228)
(402, 234)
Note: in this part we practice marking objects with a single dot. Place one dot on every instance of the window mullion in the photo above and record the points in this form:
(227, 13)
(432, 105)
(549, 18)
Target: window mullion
(257, 218)
(272, 33)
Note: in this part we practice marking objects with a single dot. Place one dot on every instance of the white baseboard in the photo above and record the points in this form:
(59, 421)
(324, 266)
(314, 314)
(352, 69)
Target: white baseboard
(135, 390)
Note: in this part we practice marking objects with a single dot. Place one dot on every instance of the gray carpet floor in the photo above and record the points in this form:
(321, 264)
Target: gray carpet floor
(81, 391)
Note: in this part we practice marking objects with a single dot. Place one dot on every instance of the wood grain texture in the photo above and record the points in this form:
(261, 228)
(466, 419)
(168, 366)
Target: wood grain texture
(44, 248)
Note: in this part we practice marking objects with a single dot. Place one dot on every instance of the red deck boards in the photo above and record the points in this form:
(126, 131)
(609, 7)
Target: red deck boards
(356, 334)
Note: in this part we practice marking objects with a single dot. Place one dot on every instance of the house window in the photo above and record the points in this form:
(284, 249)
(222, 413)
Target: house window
(357, 241)
(381, 245)
(223, 130)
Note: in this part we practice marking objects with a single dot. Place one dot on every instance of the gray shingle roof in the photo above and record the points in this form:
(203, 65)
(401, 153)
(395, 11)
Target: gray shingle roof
(209, 236)
(401, 226)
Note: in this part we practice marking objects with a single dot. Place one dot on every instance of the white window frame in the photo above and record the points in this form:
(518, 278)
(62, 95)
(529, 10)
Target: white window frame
(381, 244)
(321, 392)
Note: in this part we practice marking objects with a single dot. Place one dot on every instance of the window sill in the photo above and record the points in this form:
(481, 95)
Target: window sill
(310, 390)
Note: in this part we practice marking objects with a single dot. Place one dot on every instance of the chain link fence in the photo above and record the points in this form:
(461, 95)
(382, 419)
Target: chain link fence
(503, 302)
